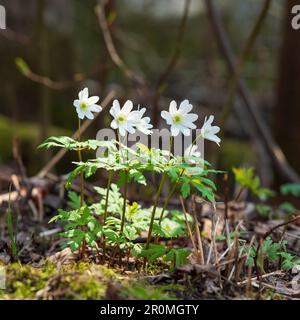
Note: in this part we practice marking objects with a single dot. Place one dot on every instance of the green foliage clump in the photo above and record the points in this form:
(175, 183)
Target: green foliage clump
(273, 252)
(117, 220)
(290, 188)
(248, 180)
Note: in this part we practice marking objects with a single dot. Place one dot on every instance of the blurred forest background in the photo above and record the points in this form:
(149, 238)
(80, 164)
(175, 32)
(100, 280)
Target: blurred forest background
(158, 51)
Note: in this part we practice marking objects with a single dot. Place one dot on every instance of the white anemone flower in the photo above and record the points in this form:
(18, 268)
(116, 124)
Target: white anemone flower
(209, 132)
(85, 105)
(180, 119)
(143, 124)
(193, 156)
(124, 119)
(192, 151)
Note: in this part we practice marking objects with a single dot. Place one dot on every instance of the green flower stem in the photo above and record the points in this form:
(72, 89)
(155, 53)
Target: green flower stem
(105, 212)
(107, 196)
(195, 140)
(125, 189)
(173, 189)
(170, 147)
(170, 195)
(162, 182)
(124, 203)
(83, 248)
(80, 159)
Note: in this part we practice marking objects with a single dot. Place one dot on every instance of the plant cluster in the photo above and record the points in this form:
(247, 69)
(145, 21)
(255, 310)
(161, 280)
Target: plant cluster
(115, 224)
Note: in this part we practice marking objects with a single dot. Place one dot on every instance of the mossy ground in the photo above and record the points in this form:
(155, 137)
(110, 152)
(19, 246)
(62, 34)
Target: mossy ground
(78, 281)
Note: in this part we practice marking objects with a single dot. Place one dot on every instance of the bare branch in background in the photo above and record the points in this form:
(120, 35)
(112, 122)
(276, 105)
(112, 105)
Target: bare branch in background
(162, 81)
(14, 36)
(129, 73)
(84, 126)
(275, 152)
(55, 85)
(241, 60)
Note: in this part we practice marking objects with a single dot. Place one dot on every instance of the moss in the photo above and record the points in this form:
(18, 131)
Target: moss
(23, 281)
(75, 281)
(143, 291)
(80, 286)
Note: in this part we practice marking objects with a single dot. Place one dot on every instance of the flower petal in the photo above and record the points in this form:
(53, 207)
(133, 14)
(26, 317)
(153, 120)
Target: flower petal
(186, 131)
(76, 103)
(130, 128)
(192, 117)
(95, 108)
(93, 100)
(128, 105)
(188, 124)
(114, 124)
(122, 131)
(89, 115)
(173, 107)
(83, 94)
(115, 109)
(214, 138)
(174, 131)
(167, 116)
(208, 122)
(81, 114)
(185, 107)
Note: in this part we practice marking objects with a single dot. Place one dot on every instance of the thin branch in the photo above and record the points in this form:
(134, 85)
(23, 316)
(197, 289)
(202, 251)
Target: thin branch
(162, 81)
(250, 107)
(241, 60)
(129, 73)
(14, 36)
(60, 85)
(84, 126)
(197, 229)
(188, 225)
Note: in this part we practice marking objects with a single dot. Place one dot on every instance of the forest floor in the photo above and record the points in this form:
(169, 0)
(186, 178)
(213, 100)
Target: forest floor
(43, 270)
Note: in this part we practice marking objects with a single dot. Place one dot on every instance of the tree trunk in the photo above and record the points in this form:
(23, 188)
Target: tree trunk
(287, 111)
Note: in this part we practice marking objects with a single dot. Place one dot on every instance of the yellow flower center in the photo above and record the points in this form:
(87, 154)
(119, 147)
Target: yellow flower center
(83, 106)
(121, 118)
(177, 118)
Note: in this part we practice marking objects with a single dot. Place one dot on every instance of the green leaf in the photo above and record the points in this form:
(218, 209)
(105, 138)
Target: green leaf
(154, 252)
(263, 210)
(288, 207)
(173, 173)
(22, 66)
(60, 142)
(185, 190)
(171, 229)
(130, 232)
(290, 188)
(209, 183)
(137, 176)
(204, 191)
(271, 249)
(180, 256)
(74, 202)
(247, 179)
